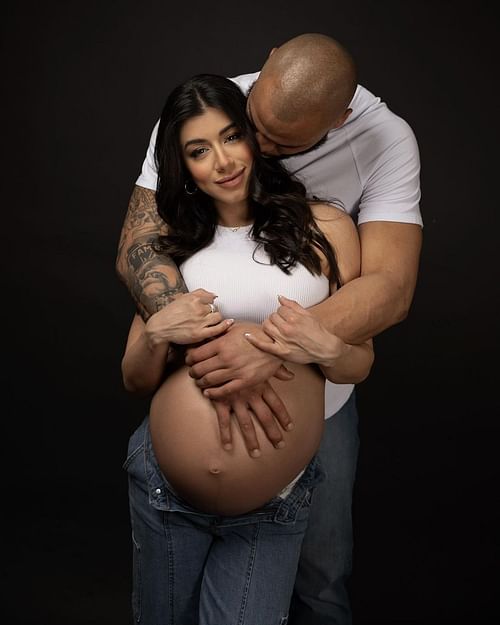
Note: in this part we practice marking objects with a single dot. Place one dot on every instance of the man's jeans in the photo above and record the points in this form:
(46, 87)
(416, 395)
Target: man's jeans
(191, 568)
(320, 594)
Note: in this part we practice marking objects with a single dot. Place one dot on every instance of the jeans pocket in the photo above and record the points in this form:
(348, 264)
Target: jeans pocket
(308, 497)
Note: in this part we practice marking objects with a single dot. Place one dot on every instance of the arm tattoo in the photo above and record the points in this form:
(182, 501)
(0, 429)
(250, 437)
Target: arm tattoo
(153, 279)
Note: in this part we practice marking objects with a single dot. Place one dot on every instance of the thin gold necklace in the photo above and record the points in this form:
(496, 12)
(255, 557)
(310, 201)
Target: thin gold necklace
(235, 228)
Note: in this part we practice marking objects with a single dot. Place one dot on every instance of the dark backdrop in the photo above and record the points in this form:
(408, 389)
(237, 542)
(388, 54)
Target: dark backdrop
(84, 83)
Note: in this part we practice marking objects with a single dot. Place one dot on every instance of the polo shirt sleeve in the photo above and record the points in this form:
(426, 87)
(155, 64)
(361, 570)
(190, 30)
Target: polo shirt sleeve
(148, 176)
(391, 191)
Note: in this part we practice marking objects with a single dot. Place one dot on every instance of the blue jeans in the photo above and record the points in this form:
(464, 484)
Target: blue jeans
(191, 568)
(320, 595)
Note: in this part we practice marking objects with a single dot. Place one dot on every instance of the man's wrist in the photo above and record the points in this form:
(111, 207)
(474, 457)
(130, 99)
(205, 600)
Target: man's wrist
(335, 349)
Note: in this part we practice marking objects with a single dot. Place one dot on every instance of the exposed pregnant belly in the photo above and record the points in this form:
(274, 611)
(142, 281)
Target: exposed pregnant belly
(186, 442)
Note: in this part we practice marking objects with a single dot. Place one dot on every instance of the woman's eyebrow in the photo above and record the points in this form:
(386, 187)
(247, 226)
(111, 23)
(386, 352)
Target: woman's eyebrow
(200, 140)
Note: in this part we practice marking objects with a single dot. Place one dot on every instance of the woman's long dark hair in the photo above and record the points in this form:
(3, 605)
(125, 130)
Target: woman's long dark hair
(283, 221)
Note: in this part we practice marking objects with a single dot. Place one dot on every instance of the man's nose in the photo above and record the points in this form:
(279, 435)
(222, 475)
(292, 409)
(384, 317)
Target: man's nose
(266, 146)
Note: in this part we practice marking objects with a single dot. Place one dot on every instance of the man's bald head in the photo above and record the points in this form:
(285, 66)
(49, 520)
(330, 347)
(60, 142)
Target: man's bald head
(311, 80)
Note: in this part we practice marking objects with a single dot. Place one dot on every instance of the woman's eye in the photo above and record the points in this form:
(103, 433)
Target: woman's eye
(234, 137)
(197, 152)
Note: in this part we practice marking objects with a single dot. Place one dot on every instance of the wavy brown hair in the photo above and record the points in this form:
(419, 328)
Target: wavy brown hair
(283, 222)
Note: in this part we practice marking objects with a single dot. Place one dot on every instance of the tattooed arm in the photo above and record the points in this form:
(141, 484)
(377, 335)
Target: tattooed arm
(151, 278)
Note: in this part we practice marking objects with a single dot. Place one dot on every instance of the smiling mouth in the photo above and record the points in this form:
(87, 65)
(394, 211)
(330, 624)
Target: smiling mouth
(231, 181)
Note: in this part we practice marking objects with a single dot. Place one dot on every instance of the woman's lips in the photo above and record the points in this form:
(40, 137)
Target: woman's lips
(231, 181)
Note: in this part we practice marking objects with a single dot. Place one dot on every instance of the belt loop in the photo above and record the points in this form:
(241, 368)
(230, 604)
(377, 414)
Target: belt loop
(157, 490)
(283, 512)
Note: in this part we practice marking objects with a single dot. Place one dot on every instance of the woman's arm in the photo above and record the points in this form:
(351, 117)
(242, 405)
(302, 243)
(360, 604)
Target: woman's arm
(142, 364)
(301, 337)
(188, 319)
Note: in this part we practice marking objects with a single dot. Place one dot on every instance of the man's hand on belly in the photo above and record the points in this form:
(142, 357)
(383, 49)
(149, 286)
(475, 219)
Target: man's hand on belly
(260, 402)
(235, 374)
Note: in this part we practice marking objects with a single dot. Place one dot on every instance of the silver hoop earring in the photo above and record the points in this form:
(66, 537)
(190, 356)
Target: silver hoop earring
(190, 191)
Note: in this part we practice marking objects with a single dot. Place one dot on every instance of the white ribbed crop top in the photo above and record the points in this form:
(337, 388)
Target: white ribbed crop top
(248, 290)
(246, 284)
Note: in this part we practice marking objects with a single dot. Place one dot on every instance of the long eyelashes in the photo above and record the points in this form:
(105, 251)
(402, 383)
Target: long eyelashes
(197, 152)
(232, 138)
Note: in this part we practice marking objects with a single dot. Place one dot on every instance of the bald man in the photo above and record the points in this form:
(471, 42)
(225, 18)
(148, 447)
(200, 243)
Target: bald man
(349, 148)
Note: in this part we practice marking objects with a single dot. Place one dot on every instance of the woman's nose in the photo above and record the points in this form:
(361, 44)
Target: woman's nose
(223, 160)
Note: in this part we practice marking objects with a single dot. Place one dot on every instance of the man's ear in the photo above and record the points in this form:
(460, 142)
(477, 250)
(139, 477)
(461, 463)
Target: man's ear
(342, 120)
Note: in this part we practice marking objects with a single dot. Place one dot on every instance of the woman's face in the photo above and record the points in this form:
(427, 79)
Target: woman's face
(217, 156)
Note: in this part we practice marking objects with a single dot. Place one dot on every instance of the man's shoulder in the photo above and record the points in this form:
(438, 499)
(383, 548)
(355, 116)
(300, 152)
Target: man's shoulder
(372, 130)
(371, 114)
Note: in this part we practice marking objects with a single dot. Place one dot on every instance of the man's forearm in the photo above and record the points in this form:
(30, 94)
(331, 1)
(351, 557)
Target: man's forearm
(151, 278)
(364, 307)
(154, 280)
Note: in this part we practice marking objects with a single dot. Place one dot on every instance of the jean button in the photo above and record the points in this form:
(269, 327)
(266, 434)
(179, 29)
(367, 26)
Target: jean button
(158, 491)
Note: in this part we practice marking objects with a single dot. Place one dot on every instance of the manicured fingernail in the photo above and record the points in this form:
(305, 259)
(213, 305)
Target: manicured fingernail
(255, 453)
(247, 334)
(229, 321)
(228, 446)
(280, 445)
(290, 426)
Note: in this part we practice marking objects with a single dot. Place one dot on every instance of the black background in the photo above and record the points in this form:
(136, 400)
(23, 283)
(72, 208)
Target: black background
(84, 82)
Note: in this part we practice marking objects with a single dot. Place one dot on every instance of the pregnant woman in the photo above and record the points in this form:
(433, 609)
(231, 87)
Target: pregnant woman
(217, 533)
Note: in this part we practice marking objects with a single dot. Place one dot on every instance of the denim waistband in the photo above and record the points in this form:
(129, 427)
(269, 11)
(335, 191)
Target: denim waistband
(163, 497)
